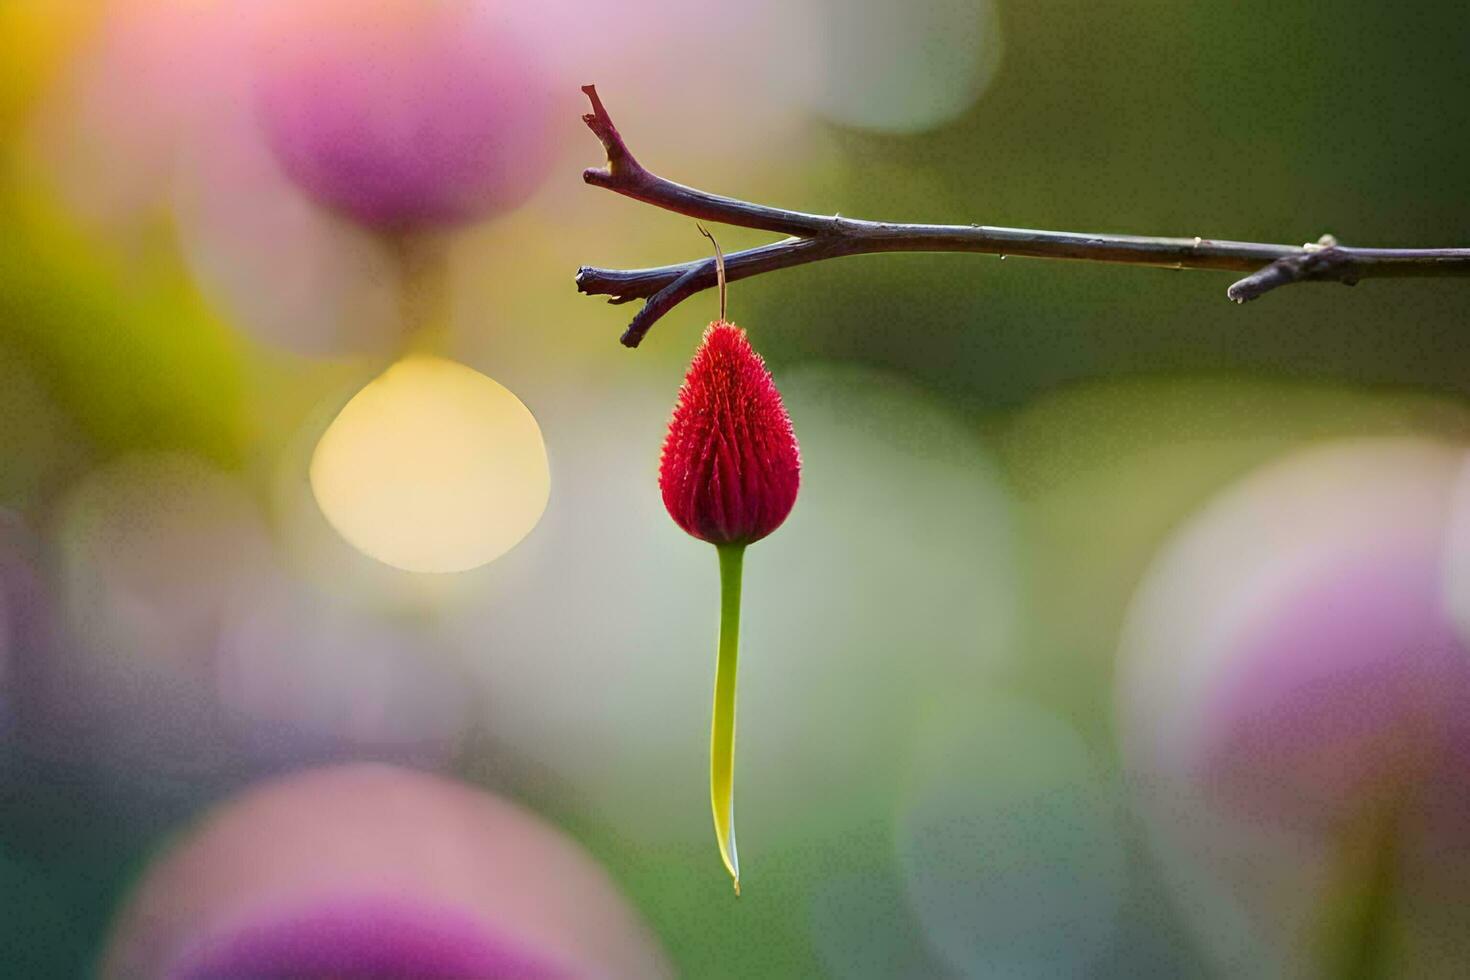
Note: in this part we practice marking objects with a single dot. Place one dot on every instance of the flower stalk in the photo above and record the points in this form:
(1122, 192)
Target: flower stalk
(722, 734)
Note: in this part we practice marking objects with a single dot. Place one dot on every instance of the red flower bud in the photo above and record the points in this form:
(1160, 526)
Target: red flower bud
(730, 466)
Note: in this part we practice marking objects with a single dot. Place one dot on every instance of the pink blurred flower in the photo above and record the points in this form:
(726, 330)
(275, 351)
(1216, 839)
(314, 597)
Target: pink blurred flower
(402, 114)
(1294, 707)
(1348, 700)
(370, 870)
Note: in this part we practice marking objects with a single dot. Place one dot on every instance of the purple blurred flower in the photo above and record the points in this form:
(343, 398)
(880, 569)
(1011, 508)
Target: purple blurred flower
(1295, 715)
(1348, 700)
(404, 115)
(375, 937)
(376, 871)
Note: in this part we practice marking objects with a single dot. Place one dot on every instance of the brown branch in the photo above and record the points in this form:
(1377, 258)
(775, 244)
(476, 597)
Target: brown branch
(1326, 261)
(814, 238)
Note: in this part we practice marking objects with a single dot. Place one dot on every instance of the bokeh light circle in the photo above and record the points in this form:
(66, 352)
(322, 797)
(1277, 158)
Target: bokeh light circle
(898, 68)
(152, 550)
(308, 676)
(148, 76)
(1011, 843)
(432, 467)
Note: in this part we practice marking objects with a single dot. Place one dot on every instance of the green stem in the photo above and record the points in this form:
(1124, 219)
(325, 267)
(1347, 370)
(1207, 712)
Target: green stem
(722, 736)
(1360, 921)
(423, 282)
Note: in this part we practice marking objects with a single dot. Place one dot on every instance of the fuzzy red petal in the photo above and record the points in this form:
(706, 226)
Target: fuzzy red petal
(730, 467)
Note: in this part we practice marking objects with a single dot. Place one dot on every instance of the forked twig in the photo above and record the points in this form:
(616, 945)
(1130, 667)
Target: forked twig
(815, 237)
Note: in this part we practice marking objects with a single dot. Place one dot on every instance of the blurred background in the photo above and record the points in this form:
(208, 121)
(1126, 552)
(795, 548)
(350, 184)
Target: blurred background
(1117, 631)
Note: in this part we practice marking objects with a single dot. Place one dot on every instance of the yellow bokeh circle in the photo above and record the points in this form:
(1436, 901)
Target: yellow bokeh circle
(432, 467)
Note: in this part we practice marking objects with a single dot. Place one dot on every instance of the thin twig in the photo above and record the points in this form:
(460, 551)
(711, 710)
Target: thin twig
(815, 237)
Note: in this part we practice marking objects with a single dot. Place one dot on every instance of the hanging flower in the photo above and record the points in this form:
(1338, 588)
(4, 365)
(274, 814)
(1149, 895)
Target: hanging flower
(729, 475)
(730, 466)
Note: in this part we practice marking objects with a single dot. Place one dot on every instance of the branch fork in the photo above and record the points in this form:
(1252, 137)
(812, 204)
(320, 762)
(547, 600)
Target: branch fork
(815, 238)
